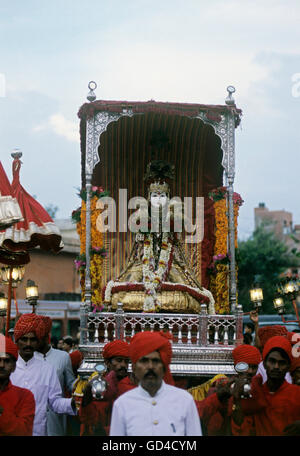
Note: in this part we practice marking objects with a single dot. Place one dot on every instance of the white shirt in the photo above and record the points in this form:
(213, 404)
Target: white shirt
(42, 380)
(262, 371)
(61, 361)
(172, 412)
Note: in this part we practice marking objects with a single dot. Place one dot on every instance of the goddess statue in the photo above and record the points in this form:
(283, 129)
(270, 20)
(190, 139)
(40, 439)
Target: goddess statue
(158, 277)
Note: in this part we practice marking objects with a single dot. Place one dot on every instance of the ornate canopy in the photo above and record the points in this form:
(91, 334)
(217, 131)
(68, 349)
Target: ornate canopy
(119, 139)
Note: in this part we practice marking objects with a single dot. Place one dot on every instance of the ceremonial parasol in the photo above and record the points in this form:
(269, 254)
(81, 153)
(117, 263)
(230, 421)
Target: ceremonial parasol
(10, 211)
(37, 229)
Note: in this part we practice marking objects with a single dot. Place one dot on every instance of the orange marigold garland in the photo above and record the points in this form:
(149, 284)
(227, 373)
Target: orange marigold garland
(220, 266)
(97, 250)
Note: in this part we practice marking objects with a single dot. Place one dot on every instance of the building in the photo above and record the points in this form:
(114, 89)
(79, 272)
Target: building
(55, 274)
(57, 281)
(281, 223)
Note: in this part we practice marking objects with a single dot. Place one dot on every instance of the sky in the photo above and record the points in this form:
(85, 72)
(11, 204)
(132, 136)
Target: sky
(170, 50)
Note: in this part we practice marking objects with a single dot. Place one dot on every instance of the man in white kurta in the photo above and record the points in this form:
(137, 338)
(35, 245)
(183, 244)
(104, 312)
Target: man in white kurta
(42, 380)
(155, 407)
(172, 412)
(37, 376)
(61, 361)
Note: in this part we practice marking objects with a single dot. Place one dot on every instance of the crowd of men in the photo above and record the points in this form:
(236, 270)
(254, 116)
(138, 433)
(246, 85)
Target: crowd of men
(37, 381)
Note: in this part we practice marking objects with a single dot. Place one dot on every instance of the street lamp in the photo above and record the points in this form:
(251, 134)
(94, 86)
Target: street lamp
(278, 303)
(3, 305)
(32, 294)
(289, 289)
(256, 296)
(11, 276)
(17, 274)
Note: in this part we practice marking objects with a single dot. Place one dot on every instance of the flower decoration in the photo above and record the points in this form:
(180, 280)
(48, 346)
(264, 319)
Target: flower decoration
(218, 193)
(219, 268)
(98, 192)
(152, 278)
(97, 251)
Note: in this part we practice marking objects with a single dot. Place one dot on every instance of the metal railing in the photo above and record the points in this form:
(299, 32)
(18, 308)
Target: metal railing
(187, 329)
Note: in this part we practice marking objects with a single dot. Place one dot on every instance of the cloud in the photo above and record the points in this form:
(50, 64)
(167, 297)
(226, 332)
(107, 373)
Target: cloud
(61, 126)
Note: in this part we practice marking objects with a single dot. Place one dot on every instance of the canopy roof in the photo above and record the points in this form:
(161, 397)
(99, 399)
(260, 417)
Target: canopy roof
(193, 145)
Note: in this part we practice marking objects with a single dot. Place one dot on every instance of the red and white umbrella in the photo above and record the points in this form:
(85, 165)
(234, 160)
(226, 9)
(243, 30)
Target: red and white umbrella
(37, 227)
(10, 211)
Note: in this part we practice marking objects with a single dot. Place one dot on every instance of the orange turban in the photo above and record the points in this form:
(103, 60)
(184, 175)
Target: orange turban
(278, 342)
(7, 346)
(115, 348)
(29, 323)
(246, 353)
(147, 342)
(266, 332)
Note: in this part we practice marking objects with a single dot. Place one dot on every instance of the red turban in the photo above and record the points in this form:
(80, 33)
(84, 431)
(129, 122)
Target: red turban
(47, 324)
(277, 342)
(29, 323)
(115, 348)
(7, 346)
(266, 332)
(147, 342)
(76, 358)
(246, 353)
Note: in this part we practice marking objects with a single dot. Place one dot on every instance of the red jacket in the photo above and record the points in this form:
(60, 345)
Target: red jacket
(282, 408)
(100, 411)
(19, 409)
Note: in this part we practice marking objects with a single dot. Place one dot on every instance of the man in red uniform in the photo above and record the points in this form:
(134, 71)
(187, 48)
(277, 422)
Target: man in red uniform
(215, 410)
(17, 405)
(116, 358)
(280, 401)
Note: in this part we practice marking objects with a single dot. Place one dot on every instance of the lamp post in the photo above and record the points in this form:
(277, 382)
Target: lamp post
(289, 289)
(32, 294)
(278, 303)
(3, 305)
(11, 276)
(256, 296)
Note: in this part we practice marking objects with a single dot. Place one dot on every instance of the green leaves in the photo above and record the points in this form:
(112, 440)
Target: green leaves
(264, 255)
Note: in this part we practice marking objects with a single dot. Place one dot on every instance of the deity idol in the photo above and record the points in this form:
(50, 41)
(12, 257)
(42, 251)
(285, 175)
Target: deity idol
(157, 277)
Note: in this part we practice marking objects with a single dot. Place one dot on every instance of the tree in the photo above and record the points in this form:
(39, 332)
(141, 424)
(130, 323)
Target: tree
(51, 209)
(264, 257)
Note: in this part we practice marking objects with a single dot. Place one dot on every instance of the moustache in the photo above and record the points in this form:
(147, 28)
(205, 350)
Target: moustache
(151, 372)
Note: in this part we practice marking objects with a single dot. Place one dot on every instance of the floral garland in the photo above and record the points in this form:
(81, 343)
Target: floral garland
(219, 268)
(152, 278)
(97, 251)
